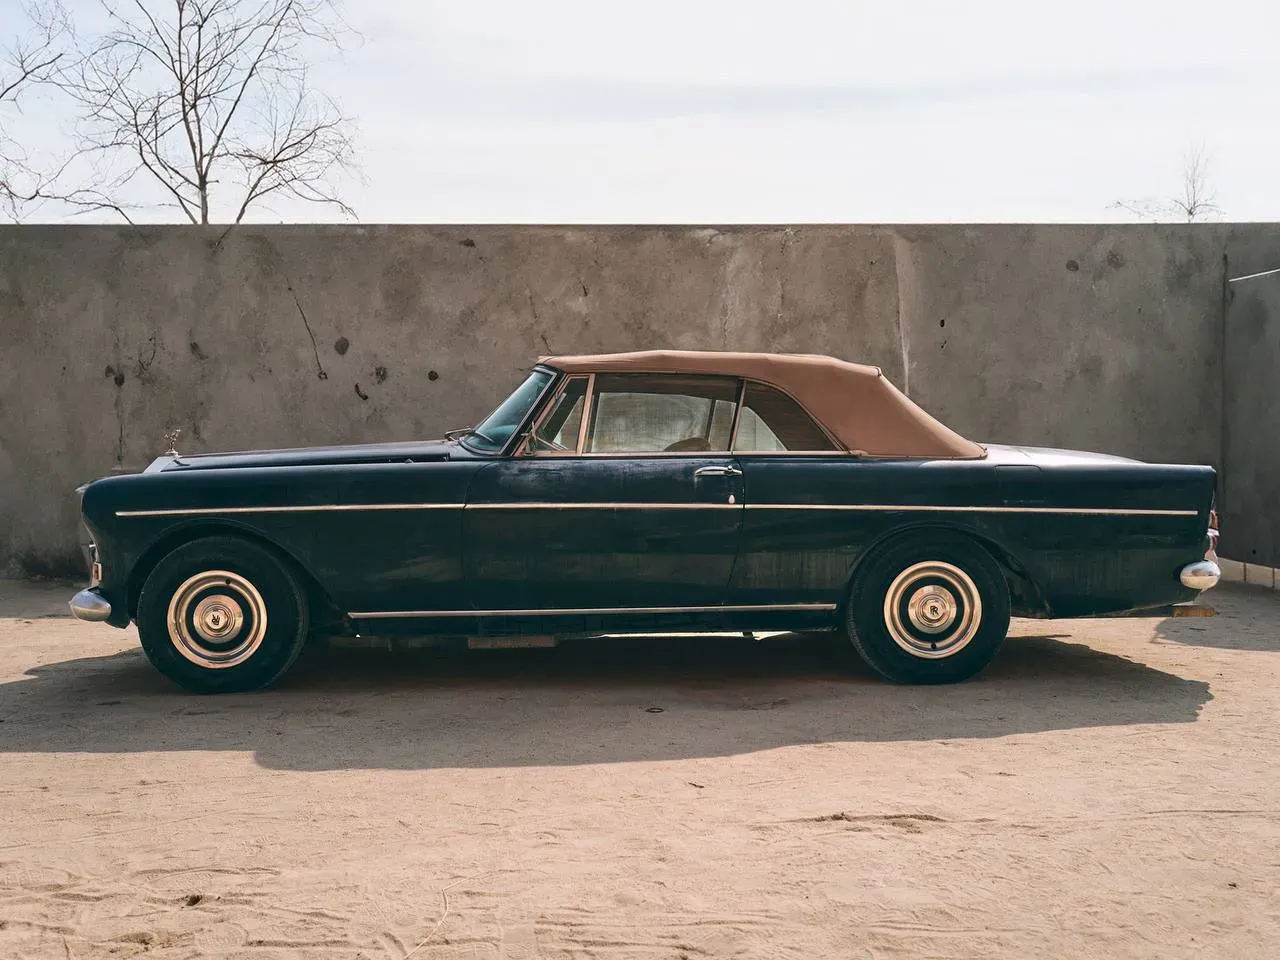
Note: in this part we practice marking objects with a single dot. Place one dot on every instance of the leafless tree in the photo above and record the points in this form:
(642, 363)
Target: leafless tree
(1196, 201)
(26, 62)
(209, 100)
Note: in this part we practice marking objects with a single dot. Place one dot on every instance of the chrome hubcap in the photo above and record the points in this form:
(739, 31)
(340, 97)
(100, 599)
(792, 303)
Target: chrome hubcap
(217, 619)
(932, 610)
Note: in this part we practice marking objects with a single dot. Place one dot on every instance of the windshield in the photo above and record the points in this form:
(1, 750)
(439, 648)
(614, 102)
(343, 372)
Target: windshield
(496, 429)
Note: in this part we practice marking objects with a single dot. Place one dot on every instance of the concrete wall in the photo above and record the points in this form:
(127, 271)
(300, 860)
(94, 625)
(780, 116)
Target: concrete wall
(1250, 485)
(1103, 337)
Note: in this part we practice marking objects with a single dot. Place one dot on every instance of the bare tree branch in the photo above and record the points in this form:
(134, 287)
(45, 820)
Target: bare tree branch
(27, 62)
(208, 103)
(1195, 202)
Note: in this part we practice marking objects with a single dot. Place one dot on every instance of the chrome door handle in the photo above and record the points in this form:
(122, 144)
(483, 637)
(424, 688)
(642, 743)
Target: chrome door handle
(717, 472)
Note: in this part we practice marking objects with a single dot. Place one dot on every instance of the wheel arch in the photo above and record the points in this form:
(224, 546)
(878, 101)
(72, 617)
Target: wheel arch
(320, 603)
(1026, 599)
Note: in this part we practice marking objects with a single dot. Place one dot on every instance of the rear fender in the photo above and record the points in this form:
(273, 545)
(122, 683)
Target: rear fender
(1025, 595)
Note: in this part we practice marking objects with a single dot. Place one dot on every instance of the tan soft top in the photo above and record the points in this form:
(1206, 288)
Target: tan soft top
(854, 402)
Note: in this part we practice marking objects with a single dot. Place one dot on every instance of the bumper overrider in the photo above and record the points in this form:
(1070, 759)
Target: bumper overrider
(90, 605)
(1200, 575)
(1204, 574)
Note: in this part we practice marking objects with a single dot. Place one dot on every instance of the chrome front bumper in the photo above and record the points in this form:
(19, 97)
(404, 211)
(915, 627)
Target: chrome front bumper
(89, 605)
(1200, 575)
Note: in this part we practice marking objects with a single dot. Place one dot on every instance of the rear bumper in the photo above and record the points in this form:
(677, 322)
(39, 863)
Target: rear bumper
(90, 605)
(1200, 575)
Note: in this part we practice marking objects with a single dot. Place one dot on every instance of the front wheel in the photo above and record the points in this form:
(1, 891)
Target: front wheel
(222, 614)
(928, 610)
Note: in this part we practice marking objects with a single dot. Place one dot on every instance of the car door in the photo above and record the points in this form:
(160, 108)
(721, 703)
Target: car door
(798, 539)
(623, 497)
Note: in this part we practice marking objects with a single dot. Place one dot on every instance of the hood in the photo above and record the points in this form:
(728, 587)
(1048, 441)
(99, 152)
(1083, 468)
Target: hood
(417, 452)
(1049, 456)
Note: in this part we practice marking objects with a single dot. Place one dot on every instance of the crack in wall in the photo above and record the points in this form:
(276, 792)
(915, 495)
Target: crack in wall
(144, 365)
(315, 349)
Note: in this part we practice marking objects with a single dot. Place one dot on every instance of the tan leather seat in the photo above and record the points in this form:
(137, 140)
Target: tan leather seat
(688, 445)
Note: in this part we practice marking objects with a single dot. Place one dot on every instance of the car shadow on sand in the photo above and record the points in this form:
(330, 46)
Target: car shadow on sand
(1247, 618)
(585, 702)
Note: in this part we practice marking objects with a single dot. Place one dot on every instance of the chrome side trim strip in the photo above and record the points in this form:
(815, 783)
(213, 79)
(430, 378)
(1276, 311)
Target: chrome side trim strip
(603, 506)
(540, 505)
(316, 508)
(931, 508)
(592, 611)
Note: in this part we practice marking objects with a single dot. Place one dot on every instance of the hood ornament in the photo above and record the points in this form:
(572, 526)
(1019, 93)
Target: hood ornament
(171, 441)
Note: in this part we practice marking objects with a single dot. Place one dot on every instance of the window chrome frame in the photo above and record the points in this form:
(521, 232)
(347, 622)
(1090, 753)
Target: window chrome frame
(521, 433)
(837, 447)
(737, 412)
(589, 418)
(547, 401)
(543, 410)
(587, 413)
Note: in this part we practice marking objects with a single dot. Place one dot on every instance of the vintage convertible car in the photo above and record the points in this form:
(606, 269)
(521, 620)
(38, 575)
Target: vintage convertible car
(644, 492)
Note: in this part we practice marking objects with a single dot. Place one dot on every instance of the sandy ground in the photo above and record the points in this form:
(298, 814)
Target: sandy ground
(1109, 788)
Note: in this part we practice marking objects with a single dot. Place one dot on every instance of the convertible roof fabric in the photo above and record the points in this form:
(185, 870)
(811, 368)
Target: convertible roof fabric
(854, 402)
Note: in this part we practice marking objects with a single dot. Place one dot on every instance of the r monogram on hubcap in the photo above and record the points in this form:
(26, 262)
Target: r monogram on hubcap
(932, 610)
(217, 619)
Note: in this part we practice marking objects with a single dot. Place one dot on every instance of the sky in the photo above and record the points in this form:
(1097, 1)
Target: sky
(703, 111)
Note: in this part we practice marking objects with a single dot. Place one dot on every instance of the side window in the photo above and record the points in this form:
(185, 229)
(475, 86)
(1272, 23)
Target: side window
(557, 431)
(772, 422)
(661, 413)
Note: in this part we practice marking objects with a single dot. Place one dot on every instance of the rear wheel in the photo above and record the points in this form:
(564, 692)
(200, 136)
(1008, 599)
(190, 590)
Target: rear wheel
(222, 614)
(928, 610)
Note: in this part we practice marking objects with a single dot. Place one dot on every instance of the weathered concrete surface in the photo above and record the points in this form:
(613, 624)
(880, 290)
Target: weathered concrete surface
(1091, 337)
(1251, 422)
(1105, 337)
